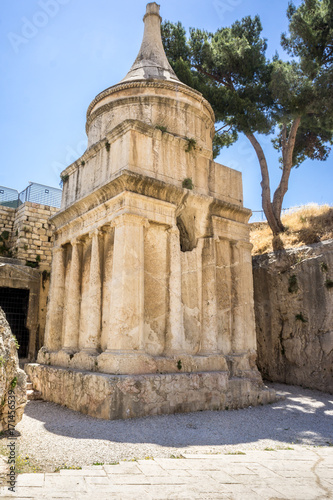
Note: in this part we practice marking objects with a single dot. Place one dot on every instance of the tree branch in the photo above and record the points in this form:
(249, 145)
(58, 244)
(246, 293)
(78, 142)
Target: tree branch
(287, 159)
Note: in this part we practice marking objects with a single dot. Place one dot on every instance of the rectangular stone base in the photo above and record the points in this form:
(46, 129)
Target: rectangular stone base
(127, 396)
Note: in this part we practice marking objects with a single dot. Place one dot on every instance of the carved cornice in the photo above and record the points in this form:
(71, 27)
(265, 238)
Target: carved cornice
(154, 84)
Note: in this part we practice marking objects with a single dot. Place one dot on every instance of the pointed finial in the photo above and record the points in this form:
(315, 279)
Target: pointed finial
(151, 62)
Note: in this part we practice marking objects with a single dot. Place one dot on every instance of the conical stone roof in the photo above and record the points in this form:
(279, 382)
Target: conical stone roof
(151, 62)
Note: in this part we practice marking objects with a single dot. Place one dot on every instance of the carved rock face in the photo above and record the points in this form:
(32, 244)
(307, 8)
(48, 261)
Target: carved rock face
(13, 380)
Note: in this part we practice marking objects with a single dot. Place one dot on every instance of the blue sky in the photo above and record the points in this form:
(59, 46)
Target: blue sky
(57, 55)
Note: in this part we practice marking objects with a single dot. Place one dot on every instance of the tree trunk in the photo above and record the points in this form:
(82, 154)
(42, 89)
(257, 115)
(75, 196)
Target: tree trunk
(273, 209)
(274, 222)
(287, 157)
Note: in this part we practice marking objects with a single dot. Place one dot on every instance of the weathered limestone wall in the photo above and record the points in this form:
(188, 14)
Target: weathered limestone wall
(293, 294)
(29, 244)
(32, 233)
(7, 217)
(13, 387)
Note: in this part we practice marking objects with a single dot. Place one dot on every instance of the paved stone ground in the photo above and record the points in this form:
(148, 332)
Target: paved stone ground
(298, 474)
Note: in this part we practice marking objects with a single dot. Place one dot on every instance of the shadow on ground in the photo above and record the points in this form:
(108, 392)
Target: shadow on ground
(303, 417)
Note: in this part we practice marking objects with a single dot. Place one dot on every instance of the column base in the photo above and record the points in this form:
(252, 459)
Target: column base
(127, 396)
(138, 362)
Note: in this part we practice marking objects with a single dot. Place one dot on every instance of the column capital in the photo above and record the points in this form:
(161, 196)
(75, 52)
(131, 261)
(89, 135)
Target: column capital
(58, 249)
(129, 220)
(173, 230)
(76, 241)
(94, 232)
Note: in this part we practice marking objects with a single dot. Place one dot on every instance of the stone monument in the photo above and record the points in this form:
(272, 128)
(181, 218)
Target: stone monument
(151, 297)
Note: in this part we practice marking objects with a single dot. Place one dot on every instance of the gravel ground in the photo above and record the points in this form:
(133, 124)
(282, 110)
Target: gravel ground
(52, 435)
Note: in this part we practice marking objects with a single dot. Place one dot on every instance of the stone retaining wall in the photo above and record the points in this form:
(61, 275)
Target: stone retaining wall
(31, 233)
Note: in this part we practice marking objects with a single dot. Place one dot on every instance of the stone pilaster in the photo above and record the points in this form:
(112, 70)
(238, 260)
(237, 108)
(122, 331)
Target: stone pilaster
(238, 327)
(208, 344)
(90, 340)
(224, 285)
(55, 312)
(246, 294)
(72, 320)
(127, 290)
(175, 340)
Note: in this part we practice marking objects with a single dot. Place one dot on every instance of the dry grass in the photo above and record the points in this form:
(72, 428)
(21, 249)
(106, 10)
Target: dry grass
(306, 225)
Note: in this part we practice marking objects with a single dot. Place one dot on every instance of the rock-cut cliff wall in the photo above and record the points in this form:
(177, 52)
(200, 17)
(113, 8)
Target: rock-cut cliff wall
(293, 295)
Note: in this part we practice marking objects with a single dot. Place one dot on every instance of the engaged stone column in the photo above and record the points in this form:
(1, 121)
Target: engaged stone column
(175, 332)
(224, 285)
(55, 311)
(91, 333)
(238, 327)
(71, 331)
(127, 288)
(209, 299)
(247, 301)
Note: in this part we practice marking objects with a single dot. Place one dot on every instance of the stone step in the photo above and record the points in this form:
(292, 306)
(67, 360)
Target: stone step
(33, 395)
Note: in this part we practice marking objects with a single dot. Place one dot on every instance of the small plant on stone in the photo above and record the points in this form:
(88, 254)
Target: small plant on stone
(45, 278)
(83, 163)
(38, 258)
(179, 364)
(64, 178)
(187, 183)
(293, 286)
(107, 146)
(301, 318)
(161, 128)
(17, 345)
(191, 144)
(14, 383)
(329, 284)
(324, 267)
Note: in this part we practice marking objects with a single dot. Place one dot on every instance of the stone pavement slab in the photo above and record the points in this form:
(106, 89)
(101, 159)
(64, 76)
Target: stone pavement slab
(300, 474)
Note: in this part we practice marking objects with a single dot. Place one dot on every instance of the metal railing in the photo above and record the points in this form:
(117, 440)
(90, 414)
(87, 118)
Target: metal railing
(35, 193)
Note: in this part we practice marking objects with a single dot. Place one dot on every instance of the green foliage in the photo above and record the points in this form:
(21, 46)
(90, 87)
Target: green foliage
(250, 94)
(4, 250)
(161, 128)
(324, 267)
(179, 364)
(16, 343)
(191, 144)
(31, 263)
(64, 178)
(293, 285)
(4, 235)
(329, 283)
(83, 163)
(38, 258)
(13, 383)
(301, 318)
(107, 146)
(187, 183)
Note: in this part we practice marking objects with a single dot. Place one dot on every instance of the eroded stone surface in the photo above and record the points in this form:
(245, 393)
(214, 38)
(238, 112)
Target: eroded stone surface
(12, 379)
(294, 316)
(128, 396)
